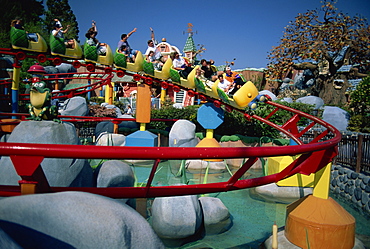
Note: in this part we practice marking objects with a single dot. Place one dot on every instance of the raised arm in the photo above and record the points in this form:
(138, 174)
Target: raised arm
(65, 31)
(152, 34)
(133, 31)
(94, 26)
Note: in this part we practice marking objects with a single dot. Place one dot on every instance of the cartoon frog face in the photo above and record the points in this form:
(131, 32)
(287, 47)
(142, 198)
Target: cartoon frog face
(39, 86)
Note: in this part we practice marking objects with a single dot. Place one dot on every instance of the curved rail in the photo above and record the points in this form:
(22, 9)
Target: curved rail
(313, 156)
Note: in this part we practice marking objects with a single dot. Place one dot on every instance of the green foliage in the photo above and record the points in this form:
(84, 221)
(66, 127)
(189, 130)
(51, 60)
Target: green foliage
(359, 123)
(120, 105)
(167, 102)
(234, 123)
(11, 9)
(170, 112)
(61, 10)
(280, 117)
(360, 98)
(97, 100)
(360, 107)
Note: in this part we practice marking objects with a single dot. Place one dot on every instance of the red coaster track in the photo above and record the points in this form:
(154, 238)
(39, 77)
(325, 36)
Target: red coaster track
(313, 155)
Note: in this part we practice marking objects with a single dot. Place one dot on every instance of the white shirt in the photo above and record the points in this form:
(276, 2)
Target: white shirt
(59, 33)
(178, 62)
(157, 53)
(223, 84)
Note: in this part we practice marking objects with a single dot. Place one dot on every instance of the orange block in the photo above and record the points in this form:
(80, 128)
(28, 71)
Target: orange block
(143, 103)
(8, 127)
(314, 222)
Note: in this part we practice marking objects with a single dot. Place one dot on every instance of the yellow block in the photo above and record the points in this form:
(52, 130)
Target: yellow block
(277, 164)
(16, 75)
(209, 142)
(322, 181)
(319, 181)
(109, 93)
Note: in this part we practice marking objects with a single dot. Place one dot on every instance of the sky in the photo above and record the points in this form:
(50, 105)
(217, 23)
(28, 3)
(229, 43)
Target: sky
(243, 30)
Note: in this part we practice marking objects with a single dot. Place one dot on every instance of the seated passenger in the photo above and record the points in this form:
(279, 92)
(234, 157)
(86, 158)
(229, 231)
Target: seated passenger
(180, 65)
(59, 32)
(152, 46)
(131, 52)
(91, 34)
(209, 73)
(224, 84)
(156, 63)
(123, 50)
(234, 78)
(17, 23)
(200, 75)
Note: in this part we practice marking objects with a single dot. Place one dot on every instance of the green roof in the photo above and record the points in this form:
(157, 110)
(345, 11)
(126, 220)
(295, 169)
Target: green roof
(189, 45)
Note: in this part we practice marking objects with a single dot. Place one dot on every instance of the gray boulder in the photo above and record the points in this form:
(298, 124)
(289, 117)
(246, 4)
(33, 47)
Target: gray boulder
(74, 220)
(75, 106)
(7, 242)
(182, 134)
(61, 172)
(197, 165)
(115, 173)
(288, 100)
(127, 124)
(111, 139)
(66, 68)
(51, 70)
(216, 216)
(5, 137)
(176, 217)
(336, 116)
(274, 193)
(312, 100)
(107, 126)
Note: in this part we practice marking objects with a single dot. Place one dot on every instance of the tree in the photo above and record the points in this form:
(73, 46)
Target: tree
(11, 9)
(360, 107)
(320, 42)
(61, 10)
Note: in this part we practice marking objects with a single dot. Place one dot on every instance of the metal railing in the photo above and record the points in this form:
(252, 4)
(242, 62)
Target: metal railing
(354, 149)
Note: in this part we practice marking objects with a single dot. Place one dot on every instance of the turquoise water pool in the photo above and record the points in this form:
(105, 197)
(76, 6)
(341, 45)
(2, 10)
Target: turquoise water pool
(252, 219)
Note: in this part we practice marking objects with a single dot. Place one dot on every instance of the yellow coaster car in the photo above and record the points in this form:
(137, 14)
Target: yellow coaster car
(58, 47)
(120, 61)
(21, 40)
(163, 74)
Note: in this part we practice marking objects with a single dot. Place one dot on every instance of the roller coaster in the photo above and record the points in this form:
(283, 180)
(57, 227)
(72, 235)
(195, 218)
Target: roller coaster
(311, 157)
